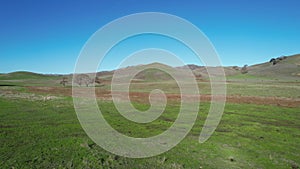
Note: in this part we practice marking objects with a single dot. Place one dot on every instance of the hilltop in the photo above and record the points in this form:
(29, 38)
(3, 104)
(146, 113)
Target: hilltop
(21, 75)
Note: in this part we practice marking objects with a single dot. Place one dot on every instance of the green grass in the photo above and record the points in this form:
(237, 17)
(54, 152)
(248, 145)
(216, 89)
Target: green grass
(21, 75)
(153, 75)
(247, 76)
(243, 87)
(32, 82)
(264, 88)
(23, 78)
(37, 134)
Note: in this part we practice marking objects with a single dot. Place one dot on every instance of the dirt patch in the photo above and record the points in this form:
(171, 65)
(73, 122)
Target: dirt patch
(144, 97)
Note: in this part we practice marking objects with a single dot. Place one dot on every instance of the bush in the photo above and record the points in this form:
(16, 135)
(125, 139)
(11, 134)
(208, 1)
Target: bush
(244, 69)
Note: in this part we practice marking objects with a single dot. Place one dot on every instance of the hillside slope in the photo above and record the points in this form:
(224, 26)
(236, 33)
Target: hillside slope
(287, 68)
(21, 75)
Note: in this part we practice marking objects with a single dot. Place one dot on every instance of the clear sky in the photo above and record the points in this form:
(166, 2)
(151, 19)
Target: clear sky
(47, 36)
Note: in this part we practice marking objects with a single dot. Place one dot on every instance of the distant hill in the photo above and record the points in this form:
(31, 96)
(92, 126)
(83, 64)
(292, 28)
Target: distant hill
(287, 68)
(21, 75)
(149, 72)
(201, 72)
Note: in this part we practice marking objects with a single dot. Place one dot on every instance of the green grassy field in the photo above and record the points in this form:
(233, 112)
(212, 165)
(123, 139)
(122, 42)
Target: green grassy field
(38, 134)
(242, 87)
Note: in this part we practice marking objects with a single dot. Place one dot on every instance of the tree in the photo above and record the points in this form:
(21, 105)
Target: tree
(272, 60)
(244, 69)
(64, 81)
(236, 68)
(275, 62)
(83, 79)
(97, 80)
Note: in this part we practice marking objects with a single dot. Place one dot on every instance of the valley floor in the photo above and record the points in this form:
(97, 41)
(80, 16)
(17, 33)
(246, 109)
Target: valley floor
(260, 128)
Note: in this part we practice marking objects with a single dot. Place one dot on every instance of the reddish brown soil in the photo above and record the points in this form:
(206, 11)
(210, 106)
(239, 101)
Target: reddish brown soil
(143, 97)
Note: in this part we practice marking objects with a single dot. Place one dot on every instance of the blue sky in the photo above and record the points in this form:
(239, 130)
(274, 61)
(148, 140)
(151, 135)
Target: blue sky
(47, 36)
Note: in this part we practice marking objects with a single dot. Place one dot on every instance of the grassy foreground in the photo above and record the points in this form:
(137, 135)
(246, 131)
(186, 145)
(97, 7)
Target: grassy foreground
(47, 134)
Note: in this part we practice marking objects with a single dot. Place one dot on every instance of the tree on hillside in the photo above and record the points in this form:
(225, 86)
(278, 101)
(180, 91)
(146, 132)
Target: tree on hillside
(83, 79)
(272, 60)
(98, 80)
(244, 69)
(64, 81)
(277, 60)
(235, 68)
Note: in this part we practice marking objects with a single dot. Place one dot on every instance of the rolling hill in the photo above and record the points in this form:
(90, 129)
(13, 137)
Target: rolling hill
(286, 69)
